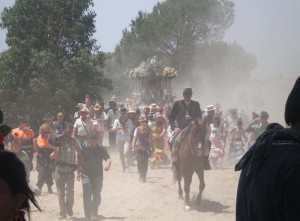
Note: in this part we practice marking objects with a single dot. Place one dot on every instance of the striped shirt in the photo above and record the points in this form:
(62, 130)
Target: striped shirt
(67, 152)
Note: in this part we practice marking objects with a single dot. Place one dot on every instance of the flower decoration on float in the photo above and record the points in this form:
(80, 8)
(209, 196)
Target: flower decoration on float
(169, 72)
(138, 73)
(4, 130)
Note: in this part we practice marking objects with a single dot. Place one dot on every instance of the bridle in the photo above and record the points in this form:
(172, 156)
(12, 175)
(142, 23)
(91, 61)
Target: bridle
(193, 143)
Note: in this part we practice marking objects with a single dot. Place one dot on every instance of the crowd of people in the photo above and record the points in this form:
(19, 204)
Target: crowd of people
(143, 133)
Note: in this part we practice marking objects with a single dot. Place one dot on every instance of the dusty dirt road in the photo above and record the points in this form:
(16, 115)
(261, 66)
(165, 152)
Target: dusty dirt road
(125, 198)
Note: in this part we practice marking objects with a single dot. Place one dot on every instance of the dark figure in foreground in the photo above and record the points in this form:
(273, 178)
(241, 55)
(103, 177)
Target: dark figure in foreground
(16, 196)
(270, 179)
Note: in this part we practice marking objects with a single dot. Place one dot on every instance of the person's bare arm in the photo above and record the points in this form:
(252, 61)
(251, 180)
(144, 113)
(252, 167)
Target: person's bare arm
(248, 128)
(152, 143)
(134, 140)
(107, 164)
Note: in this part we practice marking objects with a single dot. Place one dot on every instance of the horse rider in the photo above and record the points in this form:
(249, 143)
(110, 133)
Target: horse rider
(182, 114)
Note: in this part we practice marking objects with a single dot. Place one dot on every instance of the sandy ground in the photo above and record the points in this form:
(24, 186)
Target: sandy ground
(125, 198)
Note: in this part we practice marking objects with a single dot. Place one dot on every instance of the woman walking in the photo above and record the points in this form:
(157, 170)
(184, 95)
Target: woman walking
(216, 137)
(143, 145)
(158, 130)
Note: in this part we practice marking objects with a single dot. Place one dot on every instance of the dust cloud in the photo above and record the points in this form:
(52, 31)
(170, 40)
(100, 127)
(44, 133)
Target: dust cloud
(249, 95)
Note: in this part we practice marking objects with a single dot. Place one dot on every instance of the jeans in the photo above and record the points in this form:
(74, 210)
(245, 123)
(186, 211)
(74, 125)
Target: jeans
(124, 151)
(112, 139)
(92, 187)
(44, 175)
(65, 191)
(142, 158)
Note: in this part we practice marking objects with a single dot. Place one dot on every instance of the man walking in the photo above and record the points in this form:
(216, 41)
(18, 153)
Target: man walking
(66, 148)
(92, 175)
(25, 135)
(83, 126)
(123, 127)
(112, 115)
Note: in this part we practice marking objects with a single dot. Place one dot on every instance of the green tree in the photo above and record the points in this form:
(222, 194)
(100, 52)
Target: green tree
(189, 35)
(52, 59)
(173, 29)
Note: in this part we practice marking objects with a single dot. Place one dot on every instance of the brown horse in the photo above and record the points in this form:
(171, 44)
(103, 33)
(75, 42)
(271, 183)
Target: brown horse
(189, 162)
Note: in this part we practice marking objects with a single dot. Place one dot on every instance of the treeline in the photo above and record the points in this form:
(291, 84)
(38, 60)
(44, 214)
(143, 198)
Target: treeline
(52, 61)
(188, 35)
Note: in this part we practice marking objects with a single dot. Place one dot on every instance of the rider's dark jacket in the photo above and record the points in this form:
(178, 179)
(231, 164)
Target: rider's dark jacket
(180, 111)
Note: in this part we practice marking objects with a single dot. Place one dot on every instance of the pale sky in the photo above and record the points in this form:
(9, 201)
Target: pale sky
(268, 29)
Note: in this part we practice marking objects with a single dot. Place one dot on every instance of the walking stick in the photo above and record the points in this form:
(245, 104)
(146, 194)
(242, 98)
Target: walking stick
(224, 147)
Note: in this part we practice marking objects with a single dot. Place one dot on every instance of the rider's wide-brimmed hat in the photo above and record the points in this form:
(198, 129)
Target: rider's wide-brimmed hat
(209, 108)
(187, 90)
(143, 118)
(97, 107)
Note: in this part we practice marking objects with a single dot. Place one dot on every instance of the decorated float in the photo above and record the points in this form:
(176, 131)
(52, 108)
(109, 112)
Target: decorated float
(153, 81)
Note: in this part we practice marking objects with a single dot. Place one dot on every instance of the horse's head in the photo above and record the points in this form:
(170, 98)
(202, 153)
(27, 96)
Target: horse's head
(197, 133)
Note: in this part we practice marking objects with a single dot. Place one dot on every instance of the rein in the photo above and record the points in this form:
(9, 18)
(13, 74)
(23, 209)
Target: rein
(193, 143)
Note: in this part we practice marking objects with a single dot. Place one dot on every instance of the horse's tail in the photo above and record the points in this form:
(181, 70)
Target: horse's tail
(177, 173)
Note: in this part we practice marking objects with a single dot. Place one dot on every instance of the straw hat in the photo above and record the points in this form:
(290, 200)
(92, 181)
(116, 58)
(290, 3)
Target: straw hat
(80, 104)
(154, 105)
(97, 107)
(143, 118)
(209, 108)
(131, 111)
(60, 114)
(84, 110)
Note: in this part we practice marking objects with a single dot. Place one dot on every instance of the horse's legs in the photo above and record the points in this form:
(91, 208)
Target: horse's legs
(200, 173)
(188, 174)
(179, 184)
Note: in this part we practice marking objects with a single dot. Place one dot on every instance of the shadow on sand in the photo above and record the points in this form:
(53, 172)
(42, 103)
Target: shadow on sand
(99, 218)
(210, 206)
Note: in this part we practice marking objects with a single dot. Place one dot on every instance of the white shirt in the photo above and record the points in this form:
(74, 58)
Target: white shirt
(85, 127)
(112, 116)
(121, 134)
